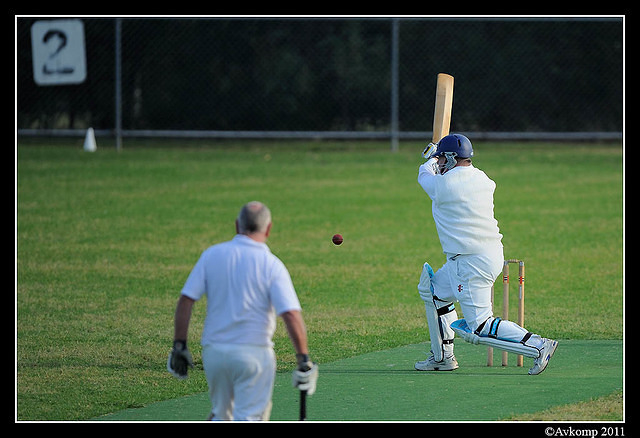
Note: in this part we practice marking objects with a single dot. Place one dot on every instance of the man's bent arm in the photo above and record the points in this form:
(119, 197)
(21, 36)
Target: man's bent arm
(297, 331)
(182, 318)
(427, 176)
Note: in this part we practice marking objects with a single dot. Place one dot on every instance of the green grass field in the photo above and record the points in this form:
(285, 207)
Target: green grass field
(105, 240)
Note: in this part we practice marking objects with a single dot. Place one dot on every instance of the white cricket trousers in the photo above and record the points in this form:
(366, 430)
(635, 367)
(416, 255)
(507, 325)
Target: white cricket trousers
(468, 279)
(241, 379)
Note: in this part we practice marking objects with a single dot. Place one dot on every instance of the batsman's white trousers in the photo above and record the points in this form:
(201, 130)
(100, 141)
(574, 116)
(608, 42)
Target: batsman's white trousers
(467, 278)
(240, 379)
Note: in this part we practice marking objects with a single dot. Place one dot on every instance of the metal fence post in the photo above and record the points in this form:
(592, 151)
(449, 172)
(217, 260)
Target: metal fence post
(118, 79)
(394, 84)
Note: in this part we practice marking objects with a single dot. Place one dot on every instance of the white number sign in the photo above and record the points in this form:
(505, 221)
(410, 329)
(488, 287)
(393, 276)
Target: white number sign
(58, 52)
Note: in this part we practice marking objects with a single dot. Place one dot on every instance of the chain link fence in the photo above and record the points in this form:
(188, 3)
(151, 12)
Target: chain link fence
(518, 78)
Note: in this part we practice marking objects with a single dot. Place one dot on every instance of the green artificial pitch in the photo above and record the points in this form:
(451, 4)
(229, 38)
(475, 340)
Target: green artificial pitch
(383, 386)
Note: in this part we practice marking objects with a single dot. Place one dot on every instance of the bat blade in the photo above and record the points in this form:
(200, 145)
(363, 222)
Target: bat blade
(444, 103)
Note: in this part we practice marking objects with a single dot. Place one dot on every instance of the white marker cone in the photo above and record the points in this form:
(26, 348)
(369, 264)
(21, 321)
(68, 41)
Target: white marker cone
(90, 141)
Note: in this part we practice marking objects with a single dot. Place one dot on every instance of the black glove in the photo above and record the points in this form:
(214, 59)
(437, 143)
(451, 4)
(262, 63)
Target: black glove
(180, 360)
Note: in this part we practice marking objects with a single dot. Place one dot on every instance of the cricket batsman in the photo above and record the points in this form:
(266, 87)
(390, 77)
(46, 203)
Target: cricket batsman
(462, 207)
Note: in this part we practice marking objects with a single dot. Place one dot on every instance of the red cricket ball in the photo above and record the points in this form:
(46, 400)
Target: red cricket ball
(337, 239)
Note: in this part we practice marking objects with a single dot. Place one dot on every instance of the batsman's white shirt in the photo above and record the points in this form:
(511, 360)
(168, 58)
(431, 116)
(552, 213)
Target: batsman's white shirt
(462, 207)
(246, 287)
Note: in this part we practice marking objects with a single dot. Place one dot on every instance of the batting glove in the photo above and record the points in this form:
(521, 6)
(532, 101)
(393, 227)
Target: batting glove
(306, 375)
(180, 360)
(429, 151)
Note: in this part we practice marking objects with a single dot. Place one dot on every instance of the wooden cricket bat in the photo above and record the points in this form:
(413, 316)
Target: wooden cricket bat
(444, 103)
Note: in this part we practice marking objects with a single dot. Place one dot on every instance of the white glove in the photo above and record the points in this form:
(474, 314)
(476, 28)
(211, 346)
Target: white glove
(429, 151)
(305, 376)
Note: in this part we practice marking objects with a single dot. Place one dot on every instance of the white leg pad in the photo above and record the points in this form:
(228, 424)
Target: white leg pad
(462, 329)
(440, 315)
(439, 321)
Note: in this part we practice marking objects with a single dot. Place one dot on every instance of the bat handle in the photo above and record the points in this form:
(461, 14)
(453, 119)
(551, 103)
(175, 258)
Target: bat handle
(303, 405)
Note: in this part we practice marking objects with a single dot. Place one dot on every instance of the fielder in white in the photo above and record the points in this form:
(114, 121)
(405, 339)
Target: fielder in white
(246, 287)
(462, 207)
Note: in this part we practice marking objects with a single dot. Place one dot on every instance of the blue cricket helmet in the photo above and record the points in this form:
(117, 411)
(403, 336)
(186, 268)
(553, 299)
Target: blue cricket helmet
(455, 143)
(451, 147)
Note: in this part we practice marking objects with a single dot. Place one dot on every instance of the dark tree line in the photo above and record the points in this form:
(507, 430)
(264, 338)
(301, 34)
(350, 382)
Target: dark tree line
(335, 74)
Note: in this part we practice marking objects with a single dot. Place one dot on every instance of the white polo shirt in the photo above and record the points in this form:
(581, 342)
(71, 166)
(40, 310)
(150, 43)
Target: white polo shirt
(246, 287)
(462, 208)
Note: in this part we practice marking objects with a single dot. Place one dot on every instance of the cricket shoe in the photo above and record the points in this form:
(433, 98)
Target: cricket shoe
(447, 364)
(546, 352)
